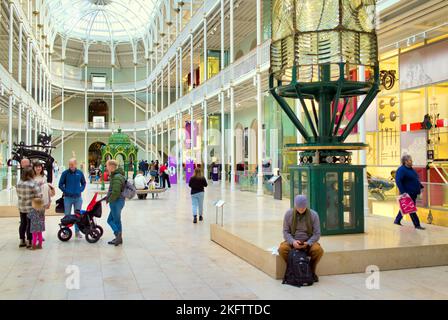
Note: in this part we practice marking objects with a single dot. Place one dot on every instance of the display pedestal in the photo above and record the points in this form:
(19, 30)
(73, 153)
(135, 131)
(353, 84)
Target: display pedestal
(335, 192)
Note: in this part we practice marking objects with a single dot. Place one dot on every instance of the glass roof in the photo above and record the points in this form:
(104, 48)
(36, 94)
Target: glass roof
(101, 20)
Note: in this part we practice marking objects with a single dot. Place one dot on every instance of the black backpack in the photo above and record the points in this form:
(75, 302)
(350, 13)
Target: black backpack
(298, 270)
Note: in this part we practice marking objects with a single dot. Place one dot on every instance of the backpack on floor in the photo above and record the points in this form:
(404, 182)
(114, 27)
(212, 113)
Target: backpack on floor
(298, 270)
(129, 190)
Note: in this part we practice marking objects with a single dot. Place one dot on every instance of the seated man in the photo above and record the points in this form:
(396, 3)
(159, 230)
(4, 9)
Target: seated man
(304, 235)
(140, 184)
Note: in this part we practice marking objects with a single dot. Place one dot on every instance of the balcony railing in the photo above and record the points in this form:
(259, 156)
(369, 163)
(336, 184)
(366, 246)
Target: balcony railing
(9, 84)
(238, 72)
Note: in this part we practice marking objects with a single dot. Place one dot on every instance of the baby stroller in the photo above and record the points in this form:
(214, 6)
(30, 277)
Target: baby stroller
(85, 220)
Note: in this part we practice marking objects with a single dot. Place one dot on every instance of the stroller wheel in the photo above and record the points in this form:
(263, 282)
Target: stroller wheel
(93, 236)
(64, 234)
(100, 230)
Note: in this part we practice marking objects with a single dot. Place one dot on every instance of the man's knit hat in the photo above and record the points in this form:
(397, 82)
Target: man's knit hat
(301, 201)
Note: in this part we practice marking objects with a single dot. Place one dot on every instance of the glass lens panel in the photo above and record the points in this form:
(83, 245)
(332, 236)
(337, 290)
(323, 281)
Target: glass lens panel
(332, 193)
(349, 200)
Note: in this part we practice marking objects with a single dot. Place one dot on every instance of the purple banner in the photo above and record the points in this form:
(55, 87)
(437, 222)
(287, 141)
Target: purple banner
(189, 170)
(172, 169)
(191, 138)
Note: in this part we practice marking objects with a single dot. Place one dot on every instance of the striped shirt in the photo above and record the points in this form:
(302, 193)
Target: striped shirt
(26, 192)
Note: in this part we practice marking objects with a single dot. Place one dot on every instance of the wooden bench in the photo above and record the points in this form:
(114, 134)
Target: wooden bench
(155, 193)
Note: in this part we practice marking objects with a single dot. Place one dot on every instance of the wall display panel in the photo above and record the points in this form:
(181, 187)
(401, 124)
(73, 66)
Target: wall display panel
(388, 129)
(424, 66)
(413, 106)
(414, 144)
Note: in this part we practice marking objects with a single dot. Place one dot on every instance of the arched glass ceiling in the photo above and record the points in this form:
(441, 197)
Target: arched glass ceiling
(101, 20)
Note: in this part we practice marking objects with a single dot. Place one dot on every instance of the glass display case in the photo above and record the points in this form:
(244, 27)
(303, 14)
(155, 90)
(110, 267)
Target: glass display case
(342, 211)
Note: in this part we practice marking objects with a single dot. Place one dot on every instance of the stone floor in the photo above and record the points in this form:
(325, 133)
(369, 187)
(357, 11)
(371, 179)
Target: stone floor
(166, 256)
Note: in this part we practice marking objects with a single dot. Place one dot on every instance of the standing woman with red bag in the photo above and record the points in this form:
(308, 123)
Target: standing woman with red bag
(407, 181)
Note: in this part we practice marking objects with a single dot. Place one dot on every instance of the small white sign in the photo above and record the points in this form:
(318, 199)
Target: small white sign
(219, 203)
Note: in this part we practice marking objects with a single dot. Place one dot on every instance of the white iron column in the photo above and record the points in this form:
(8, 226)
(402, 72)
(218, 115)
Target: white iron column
(363, 139)
(112, 85)
(28, 124)
(181, 148)
(86, 118)
(177, 75)
(135, 100)
(151, 143)
(223, 169)
(162, 89)
(168, 153)
(19, 75)
(169, 82)
(11, 97)
(176, 119)
(232, 104)
(192, 78)
(11, 39)
(36, 128)
(205, 138)
(259, 105)
(10, 69)
(63, 107)
(19, 133)
(223, 129)
(181, 83)
(36, 84)
(204, 104)
(299, 138)
(156, 95)
(27, 80)
(192, 155)
(157, 142)
(162, 142)
(147, 110)
(30, 70)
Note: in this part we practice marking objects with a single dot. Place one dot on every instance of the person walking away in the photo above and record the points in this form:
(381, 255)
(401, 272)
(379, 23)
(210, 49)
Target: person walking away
(37, 222)
(140, 183)
(27, 189)
(115, 200)
(164, 175)
(301, 230)
(72, 185)
(197, 184)
(407, 181)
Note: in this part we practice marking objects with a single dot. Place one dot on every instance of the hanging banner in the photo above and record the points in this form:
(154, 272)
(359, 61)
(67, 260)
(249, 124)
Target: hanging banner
(172, 169)
(191, 138)
(189, 170)
(424, 66)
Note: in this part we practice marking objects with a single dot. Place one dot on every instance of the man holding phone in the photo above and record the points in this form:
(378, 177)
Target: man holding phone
(301, 230)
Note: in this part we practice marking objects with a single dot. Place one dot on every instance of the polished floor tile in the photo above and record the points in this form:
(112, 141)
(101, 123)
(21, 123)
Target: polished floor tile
(166, 256)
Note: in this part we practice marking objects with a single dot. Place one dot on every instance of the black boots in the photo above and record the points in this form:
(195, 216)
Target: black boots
(22, 243)
(117, 241)
(195, 219)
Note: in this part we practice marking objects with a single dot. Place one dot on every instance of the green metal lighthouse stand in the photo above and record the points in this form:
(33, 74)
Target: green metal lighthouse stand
(317, 49)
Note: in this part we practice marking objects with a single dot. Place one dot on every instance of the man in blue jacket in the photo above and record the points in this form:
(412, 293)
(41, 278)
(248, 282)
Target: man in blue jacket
(408, 182)
(72, 183)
